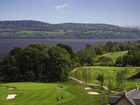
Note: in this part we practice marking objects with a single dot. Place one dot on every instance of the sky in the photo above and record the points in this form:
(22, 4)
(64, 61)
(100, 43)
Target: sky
(117, 12)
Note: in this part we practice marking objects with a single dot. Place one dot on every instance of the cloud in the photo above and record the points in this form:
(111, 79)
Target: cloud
(59, 7)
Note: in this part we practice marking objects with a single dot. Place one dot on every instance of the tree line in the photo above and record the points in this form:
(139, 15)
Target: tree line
(87, 55)
(36, 62)
(132, 57)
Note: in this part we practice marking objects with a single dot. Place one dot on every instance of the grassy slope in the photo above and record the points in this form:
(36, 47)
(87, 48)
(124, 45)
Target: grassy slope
(45, 94)
(113, 56)
(110, 74)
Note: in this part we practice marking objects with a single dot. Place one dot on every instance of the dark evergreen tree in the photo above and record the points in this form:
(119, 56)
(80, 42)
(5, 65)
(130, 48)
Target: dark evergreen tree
(59, 63)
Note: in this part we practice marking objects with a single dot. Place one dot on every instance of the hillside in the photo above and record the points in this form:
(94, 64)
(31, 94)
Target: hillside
(108, 58)
(37, 29)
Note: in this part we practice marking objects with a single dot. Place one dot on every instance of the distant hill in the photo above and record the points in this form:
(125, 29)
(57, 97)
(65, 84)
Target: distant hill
(37, 29)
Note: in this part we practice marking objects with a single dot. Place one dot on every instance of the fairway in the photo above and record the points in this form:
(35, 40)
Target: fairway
(109, 74)
(68, 93)
(101, 59)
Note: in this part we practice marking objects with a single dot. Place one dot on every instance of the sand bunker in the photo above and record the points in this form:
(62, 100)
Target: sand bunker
(88, 88)
(11, 96)
(93, 93)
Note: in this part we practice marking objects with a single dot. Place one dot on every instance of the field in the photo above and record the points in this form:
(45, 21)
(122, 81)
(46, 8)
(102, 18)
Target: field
(108, 58)
(46, 94)
(109, 74)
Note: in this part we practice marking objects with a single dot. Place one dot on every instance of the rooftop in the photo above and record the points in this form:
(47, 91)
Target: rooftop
(133, 97)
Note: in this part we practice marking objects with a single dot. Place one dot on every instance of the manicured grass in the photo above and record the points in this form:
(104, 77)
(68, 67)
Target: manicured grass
(113, 56)
(46, 94)
(109, 74)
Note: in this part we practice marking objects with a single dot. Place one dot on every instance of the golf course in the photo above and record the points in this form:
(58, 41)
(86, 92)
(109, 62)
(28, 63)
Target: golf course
(66, 93)
(43, 75)
(29, 93)
(109, 74)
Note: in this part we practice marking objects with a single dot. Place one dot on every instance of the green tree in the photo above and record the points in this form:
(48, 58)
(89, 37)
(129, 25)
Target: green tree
(85, 76)
(32, 62)
(120, 61)
(89, 73)
(59, 63)
(110, 86)
(100, 78)
(131, 58)
(100, 49)
(86, 56)
(8, 69)
(120, 79)
(36, 62)
(109, 46)
(68, 49)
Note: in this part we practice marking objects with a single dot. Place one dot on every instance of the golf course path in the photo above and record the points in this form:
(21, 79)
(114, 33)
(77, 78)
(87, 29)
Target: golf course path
(91, 84)
(88, 84)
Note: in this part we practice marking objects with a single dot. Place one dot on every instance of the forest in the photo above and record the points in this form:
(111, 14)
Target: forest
(36, 62)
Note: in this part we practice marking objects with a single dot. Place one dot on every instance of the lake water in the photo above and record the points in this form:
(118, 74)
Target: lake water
(77, 44)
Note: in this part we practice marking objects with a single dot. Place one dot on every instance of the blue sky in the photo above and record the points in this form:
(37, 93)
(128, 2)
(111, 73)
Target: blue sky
(117, 12)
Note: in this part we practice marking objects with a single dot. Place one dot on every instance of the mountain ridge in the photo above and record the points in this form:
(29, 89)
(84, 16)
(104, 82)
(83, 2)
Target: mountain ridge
(38, 29)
